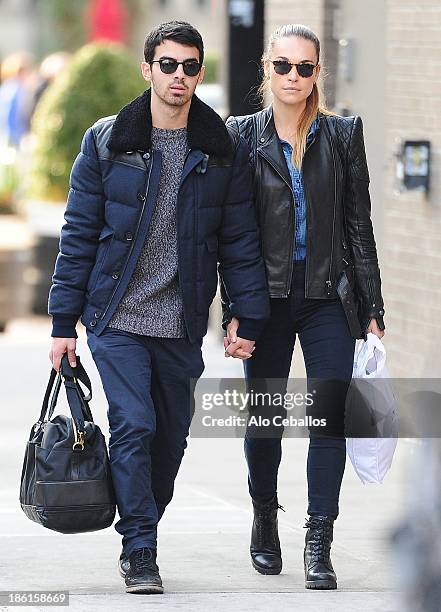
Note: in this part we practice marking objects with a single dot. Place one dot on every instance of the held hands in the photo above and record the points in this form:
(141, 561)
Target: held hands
(235, 346)
(373, 327)
(61, 346)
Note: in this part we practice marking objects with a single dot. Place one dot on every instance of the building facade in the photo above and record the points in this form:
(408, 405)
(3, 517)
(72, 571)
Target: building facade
(381, 61)
(412, 219)
(387, 64)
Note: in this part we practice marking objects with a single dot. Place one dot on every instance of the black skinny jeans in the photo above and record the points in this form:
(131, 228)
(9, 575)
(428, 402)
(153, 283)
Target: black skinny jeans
(328, 350)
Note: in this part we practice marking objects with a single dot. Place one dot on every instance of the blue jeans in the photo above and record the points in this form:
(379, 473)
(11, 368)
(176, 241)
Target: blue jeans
(150, 405)
(328, 350)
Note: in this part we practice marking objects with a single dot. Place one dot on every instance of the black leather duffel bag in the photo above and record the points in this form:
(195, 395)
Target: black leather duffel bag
(66, 483)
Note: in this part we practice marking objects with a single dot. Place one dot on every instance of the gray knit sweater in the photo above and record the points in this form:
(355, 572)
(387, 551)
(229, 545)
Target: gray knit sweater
(152, 303)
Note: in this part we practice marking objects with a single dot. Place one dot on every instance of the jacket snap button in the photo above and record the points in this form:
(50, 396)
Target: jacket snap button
(115, 275)
(97, 314)
(93, 323)
(381, 312)
(141, 197)
(262, 140)
(146, 155)
(128, 236)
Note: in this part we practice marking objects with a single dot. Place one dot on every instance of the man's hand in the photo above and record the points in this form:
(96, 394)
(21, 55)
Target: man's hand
(373, 327)
(235, 346)
(61, 346)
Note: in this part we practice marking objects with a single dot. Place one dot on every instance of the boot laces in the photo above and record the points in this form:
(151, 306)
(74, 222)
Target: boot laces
(319, 539)
(266, 527)
(143, 560)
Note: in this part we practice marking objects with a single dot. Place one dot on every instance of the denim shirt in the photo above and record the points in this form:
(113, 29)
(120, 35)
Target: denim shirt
(299, 194)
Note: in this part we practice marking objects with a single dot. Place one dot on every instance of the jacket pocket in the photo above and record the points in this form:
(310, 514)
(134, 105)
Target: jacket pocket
(207, 274)
(105, 239)
(212, 243)
(105, 233)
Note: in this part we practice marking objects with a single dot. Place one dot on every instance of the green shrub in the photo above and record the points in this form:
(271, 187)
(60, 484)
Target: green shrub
(98, 82)
(9, 179)
(211, 62)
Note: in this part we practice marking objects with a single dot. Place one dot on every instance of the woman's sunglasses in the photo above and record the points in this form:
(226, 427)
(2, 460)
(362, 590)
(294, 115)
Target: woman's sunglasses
(169, 66)
(284, 67)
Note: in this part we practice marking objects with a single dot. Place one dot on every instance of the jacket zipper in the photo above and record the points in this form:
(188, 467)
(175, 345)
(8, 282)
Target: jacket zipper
(328, 282)
(345, 226)
(294, 200)
(134, 237)
(308, 200)
(293, 240)
(177, 234)
(373, 299)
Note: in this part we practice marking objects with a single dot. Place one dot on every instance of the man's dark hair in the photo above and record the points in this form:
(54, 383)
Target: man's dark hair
(179, 31)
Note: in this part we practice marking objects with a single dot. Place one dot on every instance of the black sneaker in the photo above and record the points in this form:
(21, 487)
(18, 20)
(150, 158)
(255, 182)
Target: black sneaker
(143, 574)
(123, 565)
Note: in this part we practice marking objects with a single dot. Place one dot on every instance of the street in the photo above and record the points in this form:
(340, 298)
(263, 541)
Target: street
(203, 550)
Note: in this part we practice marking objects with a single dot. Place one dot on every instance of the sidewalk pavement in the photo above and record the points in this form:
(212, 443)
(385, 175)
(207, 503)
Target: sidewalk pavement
(203, 550)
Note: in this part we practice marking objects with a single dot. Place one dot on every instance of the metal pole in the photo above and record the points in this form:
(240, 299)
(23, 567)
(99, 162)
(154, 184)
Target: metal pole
(246, 32)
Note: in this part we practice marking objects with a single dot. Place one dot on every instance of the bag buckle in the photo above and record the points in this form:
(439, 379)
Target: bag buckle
(78, 445)
(79, 441)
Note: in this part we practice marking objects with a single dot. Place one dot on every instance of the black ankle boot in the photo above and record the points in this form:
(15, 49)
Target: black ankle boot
(319, 573)
(266, 556)
(143, 574)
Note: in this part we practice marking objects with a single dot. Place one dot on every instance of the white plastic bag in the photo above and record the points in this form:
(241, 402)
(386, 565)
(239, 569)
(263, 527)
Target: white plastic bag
(371, 402)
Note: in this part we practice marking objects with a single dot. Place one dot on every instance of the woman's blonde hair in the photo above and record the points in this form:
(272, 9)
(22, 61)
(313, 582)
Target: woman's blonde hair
(314, 102)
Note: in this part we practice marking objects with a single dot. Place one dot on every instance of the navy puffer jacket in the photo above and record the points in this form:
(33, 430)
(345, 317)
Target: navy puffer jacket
(114, 183)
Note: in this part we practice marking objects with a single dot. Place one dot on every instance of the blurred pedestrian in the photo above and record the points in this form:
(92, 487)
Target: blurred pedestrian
(15, 71)
(311, 188)
(51, 66)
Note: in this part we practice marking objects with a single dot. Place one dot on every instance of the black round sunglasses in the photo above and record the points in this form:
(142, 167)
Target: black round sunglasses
(169, 65)
(284, 67)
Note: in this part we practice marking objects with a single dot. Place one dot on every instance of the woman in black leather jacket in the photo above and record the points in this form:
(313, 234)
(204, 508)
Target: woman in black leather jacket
(313, 206)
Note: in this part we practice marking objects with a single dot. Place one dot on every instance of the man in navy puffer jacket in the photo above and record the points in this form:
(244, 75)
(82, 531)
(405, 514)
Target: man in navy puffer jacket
(160, 198)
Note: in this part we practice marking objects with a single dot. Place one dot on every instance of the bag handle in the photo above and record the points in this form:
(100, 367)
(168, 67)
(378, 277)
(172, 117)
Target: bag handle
(73, 375)
(75, 396)
(78, 402)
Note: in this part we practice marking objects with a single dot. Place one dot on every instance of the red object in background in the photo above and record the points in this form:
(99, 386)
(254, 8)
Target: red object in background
(107, 20)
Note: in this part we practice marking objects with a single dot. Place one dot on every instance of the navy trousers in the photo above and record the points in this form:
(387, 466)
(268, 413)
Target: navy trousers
(328, 350)
(147, 382)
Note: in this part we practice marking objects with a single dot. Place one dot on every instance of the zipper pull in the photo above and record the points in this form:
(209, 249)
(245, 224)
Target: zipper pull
(328, 287)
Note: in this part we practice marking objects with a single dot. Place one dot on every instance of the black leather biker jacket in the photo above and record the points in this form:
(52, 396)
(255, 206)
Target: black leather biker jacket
(341, 252)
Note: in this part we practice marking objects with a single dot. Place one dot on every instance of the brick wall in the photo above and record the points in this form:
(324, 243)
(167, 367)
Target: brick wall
(280, 12)
(411, 262)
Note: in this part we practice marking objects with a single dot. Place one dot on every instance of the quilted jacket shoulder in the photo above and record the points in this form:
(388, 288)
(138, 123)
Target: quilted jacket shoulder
(350, 142)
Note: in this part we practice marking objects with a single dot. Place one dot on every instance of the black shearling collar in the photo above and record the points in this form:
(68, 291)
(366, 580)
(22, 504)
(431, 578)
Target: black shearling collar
(133, 126)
